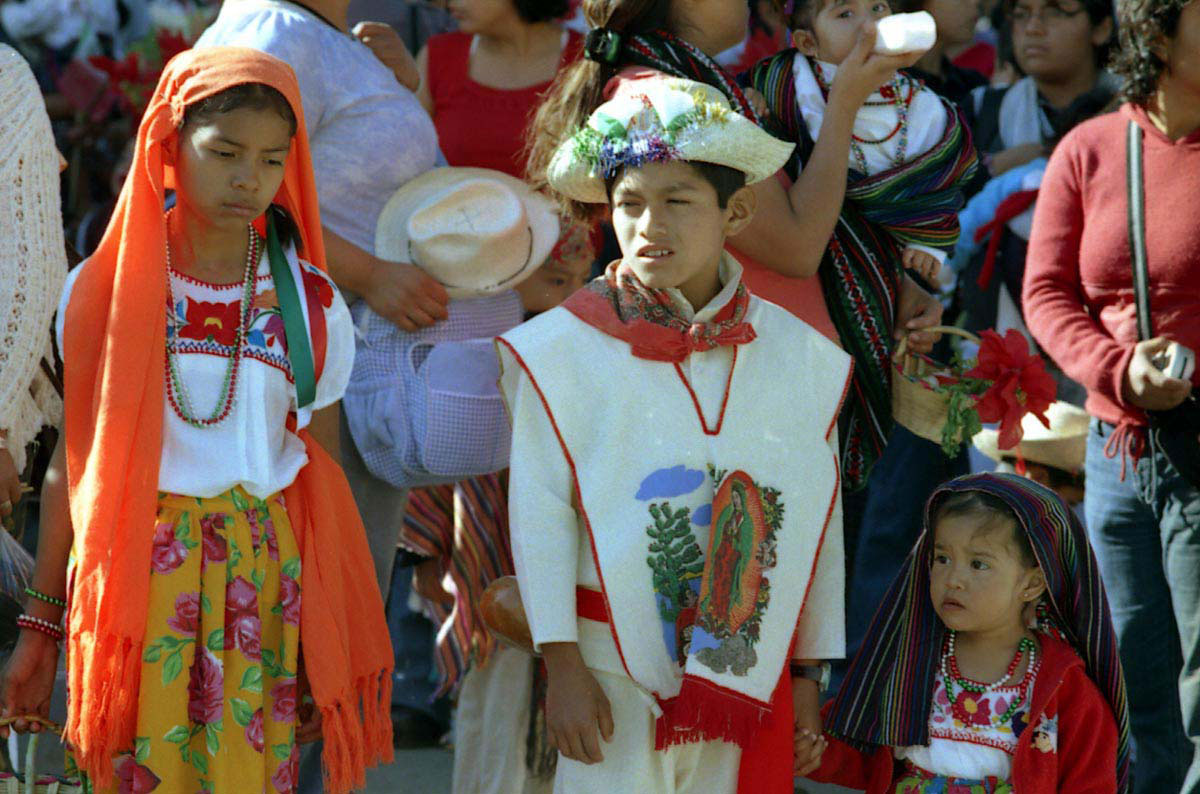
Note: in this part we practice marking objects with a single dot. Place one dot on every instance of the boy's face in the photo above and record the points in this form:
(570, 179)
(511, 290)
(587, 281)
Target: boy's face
(672, 230)
(977, 580)
(228, 167)
(835, 27)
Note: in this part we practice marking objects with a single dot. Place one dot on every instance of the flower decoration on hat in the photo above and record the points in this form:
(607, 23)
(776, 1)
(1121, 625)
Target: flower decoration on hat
(662, 120)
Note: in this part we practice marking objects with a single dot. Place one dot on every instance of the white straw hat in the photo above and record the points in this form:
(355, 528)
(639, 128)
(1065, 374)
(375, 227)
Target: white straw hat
(1063, 445)
(476, 231)
(661, 120)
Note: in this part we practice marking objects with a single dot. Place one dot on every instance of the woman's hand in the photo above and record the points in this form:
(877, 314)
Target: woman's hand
(1147, 386)
(809, 743)
(578, 713)
(917, 310)
(388, 47)
(406, 295)
(864, 71)
(10, 483)
(27, 681)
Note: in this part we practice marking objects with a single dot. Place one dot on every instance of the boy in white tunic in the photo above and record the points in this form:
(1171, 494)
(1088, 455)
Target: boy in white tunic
(674, 494)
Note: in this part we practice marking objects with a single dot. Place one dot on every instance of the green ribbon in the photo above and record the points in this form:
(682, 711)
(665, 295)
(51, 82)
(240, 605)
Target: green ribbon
(299, 350)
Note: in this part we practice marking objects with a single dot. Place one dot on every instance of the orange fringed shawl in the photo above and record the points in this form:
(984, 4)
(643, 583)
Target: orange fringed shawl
(114, 350)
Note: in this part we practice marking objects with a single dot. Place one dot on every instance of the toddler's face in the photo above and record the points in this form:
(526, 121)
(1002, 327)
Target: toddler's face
(835, 28)
(553, 283)
(977, 579)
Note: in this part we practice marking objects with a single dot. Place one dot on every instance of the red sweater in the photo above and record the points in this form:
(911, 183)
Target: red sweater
(1083, 758)
(1078, 294)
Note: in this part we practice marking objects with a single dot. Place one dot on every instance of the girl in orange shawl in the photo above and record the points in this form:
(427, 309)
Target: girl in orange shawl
(195, 489)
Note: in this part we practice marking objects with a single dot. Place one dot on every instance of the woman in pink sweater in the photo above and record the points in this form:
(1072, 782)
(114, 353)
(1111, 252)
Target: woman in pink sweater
(1143, 516)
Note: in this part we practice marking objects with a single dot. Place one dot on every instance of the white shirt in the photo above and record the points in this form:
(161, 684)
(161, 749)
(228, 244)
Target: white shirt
(369, 134)
(252, 447)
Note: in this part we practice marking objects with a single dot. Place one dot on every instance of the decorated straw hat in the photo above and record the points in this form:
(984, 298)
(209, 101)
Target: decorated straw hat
(476, 231)
(661, 120)
(1062, 445)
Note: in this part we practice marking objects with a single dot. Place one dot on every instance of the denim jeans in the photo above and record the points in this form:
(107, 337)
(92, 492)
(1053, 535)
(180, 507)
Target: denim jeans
(1145, 530)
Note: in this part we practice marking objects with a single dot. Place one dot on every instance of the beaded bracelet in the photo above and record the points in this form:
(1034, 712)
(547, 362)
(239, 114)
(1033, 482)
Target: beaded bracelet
(40, 596)
(43, 626)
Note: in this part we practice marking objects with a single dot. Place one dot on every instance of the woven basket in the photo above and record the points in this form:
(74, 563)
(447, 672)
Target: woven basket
(917, 404)
(31, 782)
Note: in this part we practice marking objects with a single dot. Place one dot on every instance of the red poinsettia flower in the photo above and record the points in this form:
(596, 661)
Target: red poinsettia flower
(218, 321)
(1020, 384)
(970, 710)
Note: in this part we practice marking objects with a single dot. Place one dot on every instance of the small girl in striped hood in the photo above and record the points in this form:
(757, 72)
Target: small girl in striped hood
(991, 667)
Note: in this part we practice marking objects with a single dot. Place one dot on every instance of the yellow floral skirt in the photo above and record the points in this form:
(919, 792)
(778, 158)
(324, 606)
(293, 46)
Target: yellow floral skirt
(218, 696)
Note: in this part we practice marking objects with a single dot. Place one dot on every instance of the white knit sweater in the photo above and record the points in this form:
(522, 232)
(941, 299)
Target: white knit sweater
(32, 255)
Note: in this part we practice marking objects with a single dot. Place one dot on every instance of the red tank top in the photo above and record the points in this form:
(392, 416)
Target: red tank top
(478, 125)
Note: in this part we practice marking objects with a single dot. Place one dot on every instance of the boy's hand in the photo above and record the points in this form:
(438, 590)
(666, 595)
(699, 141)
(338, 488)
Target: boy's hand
(578, 713)
(809, 742)
(917, 310)
(864, 71)
(924, 263)
(386, 44)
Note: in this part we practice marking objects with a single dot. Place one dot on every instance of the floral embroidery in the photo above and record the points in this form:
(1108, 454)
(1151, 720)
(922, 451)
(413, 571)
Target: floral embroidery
(976, 717)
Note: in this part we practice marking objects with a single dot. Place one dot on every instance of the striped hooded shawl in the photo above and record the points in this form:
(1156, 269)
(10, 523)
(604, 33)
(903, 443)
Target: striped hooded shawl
(913, 204)
(888, 690)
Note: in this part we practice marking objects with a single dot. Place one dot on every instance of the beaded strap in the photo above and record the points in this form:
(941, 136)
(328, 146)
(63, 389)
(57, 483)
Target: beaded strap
(43, 626)
(49, 599)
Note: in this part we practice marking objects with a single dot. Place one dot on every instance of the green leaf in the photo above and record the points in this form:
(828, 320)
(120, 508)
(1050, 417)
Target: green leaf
(257, 577)
(291, 568)
(185, 753)
(212, 741)
(268, 658)
(177, 735)
(200, 762)
(153, 653)
(205, 604)
(282, 751)
(239, 501)
(170, 643)
(252, 680)
(216, 640)
(242, 713)
(141, 749)
(183, 527)
(172, 667)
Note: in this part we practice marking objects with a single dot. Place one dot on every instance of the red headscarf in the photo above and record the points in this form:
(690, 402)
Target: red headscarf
(114, 350)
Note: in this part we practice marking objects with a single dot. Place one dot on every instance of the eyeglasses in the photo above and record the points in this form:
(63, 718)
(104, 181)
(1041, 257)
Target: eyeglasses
(1050, 14)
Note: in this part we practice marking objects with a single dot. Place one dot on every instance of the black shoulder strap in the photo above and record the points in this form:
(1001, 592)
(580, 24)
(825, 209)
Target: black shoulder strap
(986, 127)
(1136, 184)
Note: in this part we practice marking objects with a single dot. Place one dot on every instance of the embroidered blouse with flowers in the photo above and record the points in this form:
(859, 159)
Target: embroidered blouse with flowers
(973, 735)
(253, 445)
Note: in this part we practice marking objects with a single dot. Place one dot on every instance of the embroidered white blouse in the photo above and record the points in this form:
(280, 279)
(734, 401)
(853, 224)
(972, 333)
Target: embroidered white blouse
(252, 447)
(968, 738)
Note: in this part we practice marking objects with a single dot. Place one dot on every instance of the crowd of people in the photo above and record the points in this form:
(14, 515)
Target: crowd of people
(550, 380)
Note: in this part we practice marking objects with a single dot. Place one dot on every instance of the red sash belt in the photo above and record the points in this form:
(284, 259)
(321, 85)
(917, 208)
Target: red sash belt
(590, 604)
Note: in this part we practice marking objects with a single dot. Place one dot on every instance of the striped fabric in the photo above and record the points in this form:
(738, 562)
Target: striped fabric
(862, 271)
(886, 696)
(465, 525)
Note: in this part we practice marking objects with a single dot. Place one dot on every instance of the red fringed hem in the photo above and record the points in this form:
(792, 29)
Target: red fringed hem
(706, 712)
(357, 729)
(103, 677)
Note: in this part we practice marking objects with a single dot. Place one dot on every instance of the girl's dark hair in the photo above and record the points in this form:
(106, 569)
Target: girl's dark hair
(1145, 26)
(725, 180)
(1097, 11)
(532, 11)
(256, 96)
(988, 509)
(579, 89)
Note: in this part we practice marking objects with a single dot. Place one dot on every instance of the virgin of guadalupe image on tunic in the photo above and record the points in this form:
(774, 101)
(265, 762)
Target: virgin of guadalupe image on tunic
(734, 593)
